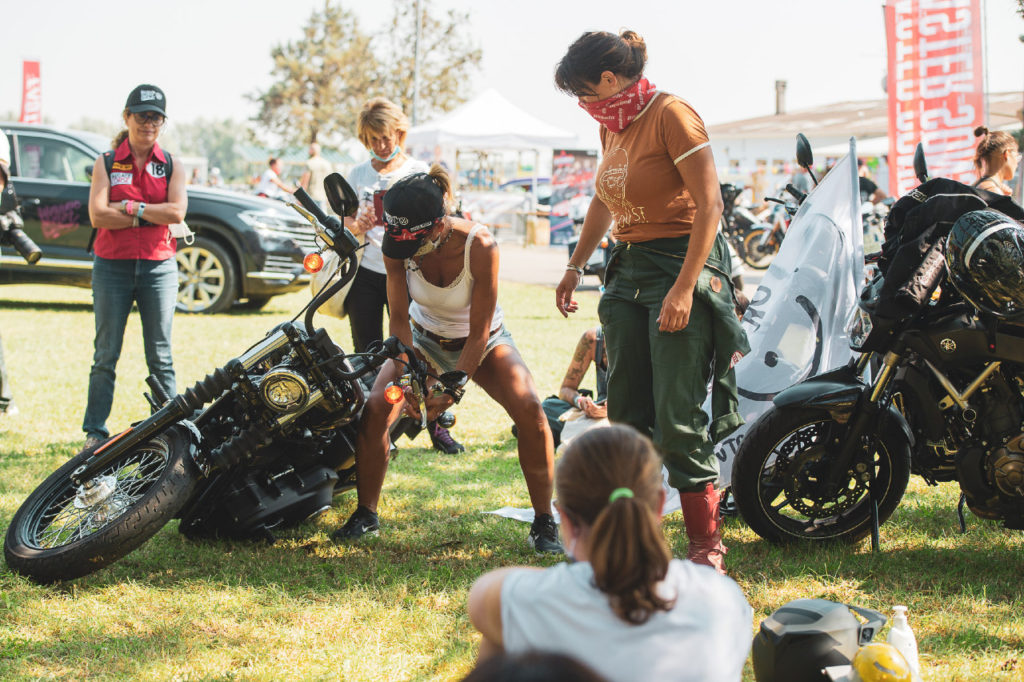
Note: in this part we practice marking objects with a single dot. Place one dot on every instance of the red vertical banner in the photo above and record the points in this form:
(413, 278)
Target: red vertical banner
(31, 94)
(935, 86)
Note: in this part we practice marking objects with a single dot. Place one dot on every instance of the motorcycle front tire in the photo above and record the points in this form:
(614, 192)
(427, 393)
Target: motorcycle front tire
(755, 254)
(60, 534)
(786, 451)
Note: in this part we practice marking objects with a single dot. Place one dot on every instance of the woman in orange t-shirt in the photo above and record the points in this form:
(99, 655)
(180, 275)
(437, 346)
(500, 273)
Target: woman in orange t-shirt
(667, 309)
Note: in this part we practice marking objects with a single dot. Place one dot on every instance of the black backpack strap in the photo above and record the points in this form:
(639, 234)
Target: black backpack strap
(108, 164)
(169, 162)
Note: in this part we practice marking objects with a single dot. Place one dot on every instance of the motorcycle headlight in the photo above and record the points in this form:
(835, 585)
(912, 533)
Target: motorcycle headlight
(858, 328)
(284, 390)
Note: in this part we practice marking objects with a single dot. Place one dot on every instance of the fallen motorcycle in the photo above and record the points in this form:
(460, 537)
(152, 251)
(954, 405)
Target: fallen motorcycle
(830, 461)
(266, 441)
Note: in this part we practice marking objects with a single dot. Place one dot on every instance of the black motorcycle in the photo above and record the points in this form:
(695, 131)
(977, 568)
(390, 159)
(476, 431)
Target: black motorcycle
(265, 441)
(831, 459)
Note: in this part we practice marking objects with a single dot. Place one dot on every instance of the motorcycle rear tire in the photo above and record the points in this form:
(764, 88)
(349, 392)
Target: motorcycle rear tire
(150, 485)
(773, 512)
(755, 254)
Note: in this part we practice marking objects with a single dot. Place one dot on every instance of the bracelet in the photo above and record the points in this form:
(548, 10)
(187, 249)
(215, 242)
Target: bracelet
(130, 207)
(576, 402)
(142, 207)
(575, 268)
(124, 206)
(135, 221)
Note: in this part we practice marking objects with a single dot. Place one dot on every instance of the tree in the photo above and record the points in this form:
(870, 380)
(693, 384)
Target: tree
(323, 79)
(320, 80)
(448, 56)
(217, 140)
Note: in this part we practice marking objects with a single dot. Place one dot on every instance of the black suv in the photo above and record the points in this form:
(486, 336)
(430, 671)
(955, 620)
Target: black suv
(245, 247)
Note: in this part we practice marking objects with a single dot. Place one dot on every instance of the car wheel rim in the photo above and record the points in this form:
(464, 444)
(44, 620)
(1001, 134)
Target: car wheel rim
(201, 279)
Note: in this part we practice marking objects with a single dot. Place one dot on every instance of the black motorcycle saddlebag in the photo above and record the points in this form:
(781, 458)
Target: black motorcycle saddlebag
(913, 255)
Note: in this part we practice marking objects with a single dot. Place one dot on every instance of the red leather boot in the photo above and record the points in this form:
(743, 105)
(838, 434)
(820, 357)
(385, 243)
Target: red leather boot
(700, 514)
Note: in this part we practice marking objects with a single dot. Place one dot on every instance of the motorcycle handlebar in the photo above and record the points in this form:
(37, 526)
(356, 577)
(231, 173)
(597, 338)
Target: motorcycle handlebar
(797, 194)
(310, 205)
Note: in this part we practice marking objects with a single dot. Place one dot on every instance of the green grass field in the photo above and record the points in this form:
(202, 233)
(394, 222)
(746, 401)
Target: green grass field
(394, 609)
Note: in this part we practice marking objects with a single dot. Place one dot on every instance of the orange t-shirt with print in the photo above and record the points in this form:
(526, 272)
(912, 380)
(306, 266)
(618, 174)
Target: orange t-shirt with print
(638, 179)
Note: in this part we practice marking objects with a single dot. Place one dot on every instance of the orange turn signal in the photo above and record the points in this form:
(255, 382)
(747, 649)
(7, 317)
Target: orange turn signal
(313, 262)
(394, 394)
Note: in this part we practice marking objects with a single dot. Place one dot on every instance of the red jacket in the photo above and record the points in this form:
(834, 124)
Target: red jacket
(148, 184)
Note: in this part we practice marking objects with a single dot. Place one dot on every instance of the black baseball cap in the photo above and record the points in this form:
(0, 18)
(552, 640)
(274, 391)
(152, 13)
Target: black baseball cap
(146, 98)
(411, 207)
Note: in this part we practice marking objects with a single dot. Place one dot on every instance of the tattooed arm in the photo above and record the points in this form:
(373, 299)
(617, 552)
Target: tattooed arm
(582, 358)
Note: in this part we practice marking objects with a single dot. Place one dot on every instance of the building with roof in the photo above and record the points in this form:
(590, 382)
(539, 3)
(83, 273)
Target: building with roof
(750, 149)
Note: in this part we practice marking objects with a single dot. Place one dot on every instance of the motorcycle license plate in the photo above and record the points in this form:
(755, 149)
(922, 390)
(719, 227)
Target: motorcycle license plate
(859, 328)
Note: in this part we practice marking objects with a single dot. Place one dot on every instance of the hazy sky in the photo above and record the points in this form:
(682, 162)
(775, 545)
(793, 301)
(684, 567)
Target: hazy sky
(724, 56)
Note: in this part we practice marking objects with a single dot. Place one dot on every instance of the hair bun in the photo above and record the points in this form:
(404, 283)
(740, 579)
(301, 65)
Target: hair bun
(633, 39)
(980, 131)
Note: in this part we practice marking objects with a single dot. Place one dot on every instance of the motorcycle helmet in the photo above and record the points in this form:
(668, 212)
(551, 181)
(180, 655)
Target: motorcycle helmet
(805, 636)
(880, 662)
(985, 256)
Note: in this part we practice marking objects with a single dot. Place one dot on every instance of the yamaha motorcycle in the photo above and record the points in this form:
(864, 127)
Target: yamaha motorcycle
(830, 461)
(266, 441)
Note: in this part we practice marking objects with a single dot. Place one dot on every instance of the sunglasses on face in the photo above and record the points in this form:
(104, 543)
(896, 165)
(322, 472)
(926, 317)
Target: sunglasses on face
(149, 117)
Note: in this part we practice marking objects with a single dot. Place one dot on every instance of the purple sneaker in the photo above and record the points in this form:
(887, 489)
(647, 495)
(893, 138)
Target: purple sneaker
(443, 441)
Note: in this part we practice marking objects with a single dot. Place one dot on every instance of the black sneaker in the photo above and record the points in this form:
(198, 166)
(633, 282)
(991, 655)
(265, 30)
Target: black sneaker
(363, 522)
(443, 441)
(543, 535)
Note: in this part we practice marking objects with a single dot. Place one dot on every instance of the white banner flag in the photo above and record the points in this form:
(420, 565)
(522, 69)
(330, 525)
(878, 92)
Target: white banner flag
(796, 319)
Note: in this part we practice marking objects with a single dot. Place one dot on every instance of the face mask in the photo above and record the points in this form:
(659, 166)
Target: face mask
(431, 244)
(616, 112)
(393, 154)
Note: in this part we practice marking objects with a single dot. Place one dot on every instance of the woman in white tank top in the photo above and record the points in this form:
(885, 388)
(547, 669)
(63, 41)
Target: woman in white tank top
(449, 268)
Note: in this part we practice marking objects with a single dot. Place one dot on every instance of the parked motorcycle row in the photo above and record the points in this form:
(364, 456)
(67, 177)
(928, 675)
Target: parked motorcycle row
(937, 387)
(267, 440)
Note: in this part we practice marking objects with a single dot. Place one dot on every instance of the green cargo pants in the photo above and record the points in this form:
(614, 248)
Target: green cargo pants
(658, 381)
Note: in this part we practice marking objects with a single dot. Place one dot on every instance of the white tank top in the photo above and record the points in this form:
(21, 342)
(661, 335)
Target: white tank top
(445, 310)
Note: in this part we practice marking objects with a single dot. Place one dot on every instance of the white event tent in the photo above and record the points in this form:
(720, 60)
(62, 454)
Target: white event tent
(489, 121)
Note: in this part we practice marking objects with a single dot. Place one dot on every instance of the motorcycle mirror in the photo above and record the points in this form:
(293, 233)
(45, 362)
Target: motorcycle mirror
(804, 155)
(920, 165)
(340, 195)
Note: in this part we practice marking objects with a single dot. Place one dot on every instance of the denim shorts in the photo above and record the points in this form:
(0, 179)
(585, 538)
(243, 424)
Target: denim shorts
(446, 360)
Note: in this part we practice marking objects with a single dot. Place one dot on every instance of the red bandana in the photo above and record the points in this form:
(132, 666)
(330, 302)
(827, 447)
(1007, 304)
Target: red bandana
(616, 112)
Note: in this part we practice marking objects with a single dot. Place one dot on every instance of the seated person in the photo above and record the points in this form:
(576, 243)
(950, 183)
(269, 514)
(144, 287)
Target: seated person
(625, 607)
(589, 348)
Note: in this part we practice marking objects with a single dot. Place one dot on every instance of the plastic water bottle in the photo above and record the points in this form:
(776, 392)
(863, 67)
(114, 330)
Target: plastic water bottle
(902, 637)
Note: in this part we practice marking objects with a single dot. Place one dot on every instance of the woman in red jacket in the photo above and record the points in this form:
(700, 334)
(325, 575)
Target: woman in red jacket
(131, 209)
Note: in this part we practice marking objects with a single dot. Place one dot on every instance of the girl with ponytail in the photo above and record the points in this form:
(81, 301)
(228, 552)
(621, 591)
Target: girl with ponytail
(624, 606)
(996, 159)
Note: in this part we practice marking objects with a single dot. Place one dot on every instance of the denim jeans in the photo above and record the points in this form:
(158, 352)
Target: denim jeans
(116, 285)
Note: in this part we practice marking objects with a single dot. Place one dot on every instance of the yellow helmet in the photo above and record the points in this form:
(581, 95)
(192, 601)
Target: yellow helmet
(880, 662)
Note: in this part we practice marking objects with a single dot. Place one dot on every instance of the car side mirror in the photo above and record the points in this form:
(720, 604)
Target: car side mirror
(340, 195)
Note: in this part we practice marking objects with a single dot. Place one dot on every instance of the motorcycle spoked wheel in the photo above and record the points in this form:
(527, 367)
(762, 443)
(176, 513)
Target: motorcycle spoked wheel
(756, 254)
(60, 534)
(777, 469)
